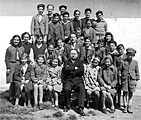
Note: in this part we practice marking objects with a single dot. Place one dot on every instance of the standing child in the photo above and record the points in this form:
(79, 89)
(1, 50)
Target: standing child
(108, 80)
(90, 32)
(22, 80)
(129, 77)
(91, 83)
(54, 82)
(38, 75)
(55, 30)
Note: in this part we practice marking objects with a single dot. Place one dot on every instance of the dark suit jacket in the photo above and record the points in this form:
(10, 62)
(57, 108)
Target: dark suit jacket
(39, 26)
(19, 74)
(72, 74)
(131, 69)
(89, 56)
(68, 48)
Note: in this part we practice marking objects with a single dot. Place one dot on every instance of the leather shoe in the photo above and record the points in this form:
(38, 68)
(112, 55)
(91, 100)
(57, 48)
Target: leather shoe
(129, 110)
(104, 111)
(125, 109)
(81, 112)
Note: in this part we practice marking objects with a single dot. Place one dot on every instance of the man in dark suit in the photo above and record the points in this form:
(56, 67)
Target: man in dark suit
(73, 45)
(73, 71)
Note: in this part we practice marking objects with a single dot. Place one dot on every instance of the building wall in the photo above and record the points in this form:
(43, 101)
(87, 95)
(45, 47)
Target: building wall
(123, 18)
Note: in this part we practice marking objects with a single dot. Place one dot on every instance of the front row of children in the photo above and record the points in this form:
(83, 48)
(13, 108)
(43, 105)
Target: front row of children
(97, 79)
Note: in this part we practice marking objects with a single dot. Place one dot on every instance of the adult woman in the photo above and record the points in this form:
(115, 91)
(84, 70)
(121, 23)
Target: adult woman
(12, 58)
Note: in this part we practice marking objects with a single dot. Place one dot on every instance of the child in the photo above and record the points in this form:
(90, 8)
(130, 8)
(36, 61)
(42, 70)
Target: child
(54, 81)
(91, 83)
(129, 77)
(55, 30)
(38, 75)
(80, 36)
(108, 80)
(22, 80)
(67, 26)
(117, 62)
(100, 50)
(89, 31)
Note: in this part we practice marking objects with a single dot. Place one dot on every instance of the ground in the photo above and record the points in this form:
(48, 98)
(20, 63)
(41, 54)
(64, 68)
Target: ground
(8, 112)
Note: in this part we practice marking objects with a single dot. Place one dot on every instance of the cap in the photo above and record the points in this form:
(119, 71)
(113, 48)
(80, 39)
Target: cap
(130, 50)
(61, 6)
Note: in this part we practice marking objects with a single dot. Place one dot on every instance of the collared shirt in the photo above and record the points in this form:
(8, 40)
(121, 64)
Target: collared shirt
(24, 68)
(73, 46)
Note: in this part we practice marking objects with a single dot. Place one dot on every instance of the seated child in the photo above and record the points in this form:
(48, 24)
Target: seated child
(54, 81)
(38, 75)
(22, 80)
(108, 80)
(91, 83)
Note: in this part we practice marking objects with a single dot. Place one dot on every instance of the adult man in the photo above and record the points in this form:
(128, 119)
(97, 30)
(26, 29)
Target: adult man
(39, 24)
(73, 45)
(50, 9)
(73, 71)
(62, 9)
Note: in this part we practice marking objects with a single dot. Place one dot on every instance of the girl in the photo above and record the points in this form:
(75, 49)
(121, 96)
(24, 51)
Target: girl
(55, 30)
(108, 80)
(129, 78)
(54, 81)
(91, 83)
(12, 56)
(38, 75)
(22, 80)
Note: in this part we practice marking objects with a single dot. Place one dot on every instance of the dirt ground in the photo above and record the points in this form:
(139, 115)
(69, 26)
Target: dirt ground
(8, 112)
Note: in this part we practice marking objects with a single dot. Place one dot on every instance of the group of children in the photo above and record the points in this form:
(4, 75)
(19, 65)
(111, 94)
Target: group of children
(38, 66)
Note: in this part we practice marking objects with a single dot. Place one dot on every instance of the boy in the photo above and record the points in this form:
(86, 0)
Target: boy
(62, 9)
(50, 10)
(67, 26)
(87, 13)
(39, 24)
(129, 77)
(100, 25)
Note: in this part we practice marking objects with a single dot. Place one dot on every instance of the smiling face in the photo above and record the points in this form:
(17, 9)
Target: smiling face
(39, 40)
(26, 37)
(107, 62)
(62, 10)
(99, 16)
(87, 42)
(40, 60)
(77, 15)
(73, 54)
(112, 47)
(55, 62)
(87, 14)
(73, 38)
(16, 41)
(24, 60)
(50, 9)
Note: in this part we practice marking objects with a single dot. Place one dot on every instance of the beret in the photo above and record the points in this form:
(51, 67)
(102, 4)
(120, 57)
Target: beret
(130, 50)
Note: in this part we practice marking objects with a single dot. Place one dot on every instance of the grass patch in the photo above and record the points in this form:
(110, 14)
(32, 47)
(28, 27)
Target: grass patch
(71, 117)
(15, 117)
(58, 114)
(91, 112)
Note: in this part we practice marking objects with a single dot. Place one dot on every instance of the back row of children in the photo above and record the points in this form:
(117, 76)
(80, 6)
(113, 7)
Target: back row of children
(54, 26)
(107, 69)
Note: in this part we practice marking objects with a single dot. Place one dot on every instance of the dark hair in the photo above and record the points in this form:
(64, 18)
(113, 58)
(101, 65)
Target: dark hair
(66, 13)
(100, 41)
(41, 5)
(88, 9)
(42, 56)
(56, 14)
(61, 6)
(76, 11)
(109, 57)
(108, 33)
(50, 5)
(26, 56)
(120, 46)
(22, 36)
(99, 12)
(51, 60)
(12, 40)
(114, 42)
(88, 21)
(75, 50)
(38, 36)
(85, 38)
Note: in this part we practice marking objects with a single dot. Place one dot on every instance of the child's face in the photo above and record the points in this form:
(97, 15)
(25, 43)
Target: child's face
(73, 38)
(50, 9)
(88, 24)
(121, 51)
(66, 17)
(60, 43)
(77, 15)
(40, 60)
(130, 56)
(88, 14)
(40, 10)
(112, 47)
(39, 40)
(56, 19)
(100, 45)
(62, 10)
(107, 62)
(26, 37)
(99, 16)
(87, 42)
(24, 60)
(108, 38)
(95, 63)
(16, 41)
(54, 62)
